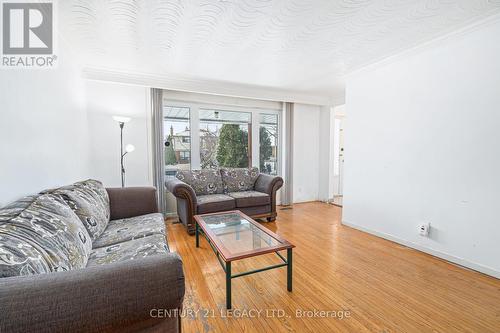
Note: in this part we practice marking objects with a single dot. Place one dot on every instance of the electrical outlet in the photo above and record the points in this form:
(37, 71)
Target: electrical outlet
(424, 229)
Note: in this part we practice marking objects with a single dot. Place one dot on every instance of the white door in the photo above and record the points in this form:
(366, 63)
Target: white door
(338, 152)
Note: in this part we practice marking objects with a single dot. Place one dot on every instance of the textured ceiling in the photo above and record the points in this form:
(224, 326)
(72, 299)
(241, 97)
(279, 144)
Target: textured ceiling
(303, 45)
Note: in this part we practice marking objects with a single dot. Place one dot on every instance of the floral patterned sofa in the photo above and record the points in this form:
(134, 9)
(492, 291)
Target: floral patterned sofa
(209, 191)
(82, 258)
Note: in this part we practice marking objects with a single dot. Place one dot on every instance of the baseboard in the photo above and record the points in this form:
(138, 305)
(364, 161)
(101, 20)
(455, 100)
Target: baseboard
(306, 201)
(456, 260)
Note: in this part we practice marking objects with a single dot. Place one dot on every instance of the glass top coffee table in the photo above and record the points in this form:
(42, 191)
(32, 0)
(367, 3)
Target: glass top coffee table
(234, 236)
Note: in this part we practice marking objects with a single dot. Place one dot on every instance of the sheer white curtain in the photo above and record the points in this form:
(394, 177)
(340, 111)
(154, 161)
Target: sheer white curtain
(287, 190)
(158, 149)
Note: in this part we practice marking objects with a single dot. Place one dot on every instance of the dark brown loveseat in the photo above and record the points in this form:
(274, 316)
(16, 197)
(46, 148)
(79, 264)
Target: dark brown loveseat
(209, 191)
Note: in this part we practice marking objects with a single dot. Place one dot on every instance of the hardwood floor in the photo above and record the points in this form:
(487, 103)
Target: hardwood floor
(385, 287)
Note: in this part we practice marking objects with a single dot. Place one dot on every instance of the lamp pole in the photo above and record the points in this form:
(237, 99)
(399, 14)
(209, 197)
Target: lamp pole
(128, 148)
(122, 124)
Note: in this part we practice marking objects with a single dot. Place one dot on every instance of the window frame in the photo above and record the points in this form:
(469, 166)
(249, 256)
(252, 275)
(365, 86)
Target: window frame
(278, 141)
(189, 122)
(194, 125)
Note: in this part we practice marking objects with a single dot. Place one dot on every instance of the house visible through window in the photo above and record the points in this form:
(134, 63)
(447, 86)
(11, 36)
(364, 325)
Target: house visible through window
(177, 141)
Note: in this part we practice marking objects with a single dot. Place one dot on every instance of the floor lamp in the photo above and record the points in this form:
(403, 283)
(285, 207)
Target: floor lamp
(128, 148)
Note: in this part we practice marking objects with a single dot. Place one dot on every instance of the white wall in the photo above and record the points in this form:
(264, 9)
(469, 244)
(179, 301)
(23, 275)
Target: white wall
(105, 99)
(43, 129)
(422, 138)
(306, 128)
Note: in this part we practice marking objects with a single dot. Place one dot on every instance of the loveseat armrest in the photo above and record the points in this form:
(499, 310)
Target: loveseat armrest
(187, 203)
(117, 297)
(181, 190)
(132, 201)
(268, 184)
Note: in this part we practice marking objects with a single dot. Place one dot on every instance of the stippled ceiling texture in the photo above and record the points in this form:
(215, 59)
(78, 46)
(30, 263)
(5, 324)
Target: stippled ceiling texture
(302, 45)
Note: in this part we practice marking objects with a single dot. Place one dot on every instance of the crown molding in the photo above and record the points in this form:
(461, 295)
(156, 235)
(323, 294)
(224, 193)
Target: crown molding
(177, 83)
(426, 45)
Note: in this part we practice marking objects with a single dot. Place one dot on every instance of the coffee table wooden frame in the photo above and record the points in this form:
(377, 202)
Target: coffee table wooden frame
(225, 256)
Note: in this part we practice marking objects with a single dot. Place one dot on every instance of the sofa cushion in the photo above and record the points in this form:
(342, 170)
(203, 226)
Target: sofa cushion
(250, 198)
(203, 182)
(129, 250)
(214, 203)
(90, 201)
(41, 234)
(239, 179)
(131, 228)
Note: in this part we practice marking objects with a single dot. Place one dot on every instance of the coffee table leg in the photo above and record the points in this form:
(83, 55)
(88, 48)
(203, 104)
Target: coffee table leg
(228, 285)
(289, 269)
(197, 233)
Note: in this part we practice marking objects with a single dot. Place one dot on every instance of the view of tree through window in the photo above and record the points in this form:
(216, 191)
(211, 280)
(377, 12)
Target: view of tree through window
(268, 139)
(224, 139)
(177, 139)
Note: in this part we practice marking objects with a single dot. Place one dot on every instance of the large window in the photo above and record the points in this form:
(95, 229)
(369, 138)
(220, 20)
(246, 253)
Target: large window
(224, 138)
(199, 134)
(177, 139)
(268, 143)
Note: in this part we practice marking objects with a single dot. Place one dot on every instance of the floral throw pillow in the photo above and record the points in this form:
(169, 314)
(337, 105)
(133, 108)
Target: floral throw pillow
(41, 234)
(89, 200)
(203, 182)
(239, 179)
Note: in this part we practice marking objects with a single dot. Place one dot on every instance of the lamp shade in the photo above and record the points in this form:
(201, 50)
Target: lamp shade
(129, 148)
(121, 119)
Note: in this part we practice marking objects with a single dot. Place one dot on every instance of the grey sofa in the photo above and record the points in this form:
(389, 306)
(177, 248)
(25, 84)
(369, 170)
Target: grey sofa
(82, 258)
(209, 191)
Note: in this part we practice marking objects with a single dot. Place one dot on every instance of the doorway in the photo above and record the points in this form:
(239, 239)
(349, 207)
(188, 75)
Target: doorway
(338, 156)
